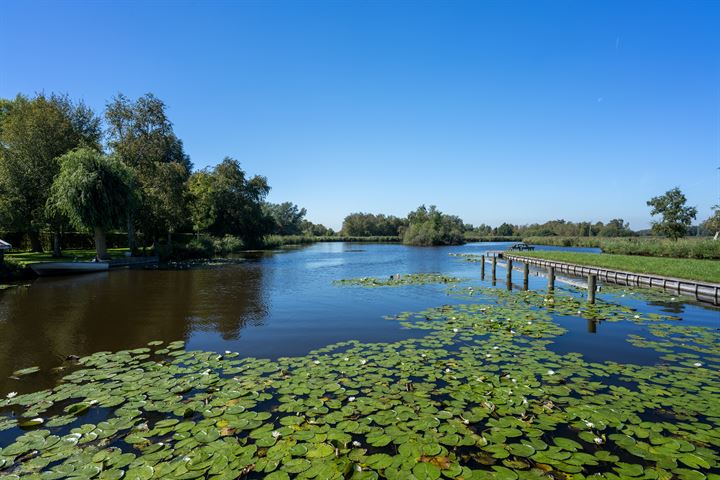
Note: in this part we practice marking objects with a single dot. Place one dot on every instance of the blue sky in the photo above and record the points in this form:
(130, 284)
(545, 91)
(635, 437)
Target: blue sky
(494, 111)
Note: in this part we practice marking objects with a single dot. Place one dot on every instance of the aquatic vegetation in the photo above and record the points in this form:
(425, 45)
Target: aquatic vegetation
(398, 280)
(480, 396)
(468, 257)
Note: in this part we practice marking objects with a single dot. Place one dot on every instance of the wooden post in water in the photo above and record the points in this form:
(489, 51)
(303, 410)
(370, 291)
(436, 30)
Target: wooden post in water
(482, 267)
(526, 275)
(592, 287)
(494, 268)
(508, 274)
(551, 279)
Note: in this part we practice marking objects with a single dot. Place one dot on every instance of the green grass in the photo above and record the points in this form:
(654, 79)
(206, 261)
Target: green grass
(690, 247)
(23, 258)
(692, 269)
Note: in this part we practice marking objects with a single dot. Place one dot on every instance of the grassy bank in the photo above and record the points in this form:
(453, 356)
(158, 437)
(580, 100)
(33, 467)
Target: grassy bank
(692, 269)
(23, 258)
(701, 248)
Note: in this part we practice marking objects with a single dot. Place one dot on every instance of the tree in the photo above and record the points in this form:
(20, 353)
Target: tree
(369, 225)
(287, 217)
(223, 201)
(505, 230)
(712, 224)
(34, 132)
(141, 135)
(429, 226)
(94, 192)
(676, 217)
(617, 227)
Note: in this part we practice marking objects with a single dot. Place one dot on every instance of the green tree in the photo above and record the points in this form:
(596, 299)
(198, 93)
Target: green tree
(368, 225)
(505, 230)
(287, 217)
(676, 217)
(34, 132)
(223, 201)
(712, 224)
(429, 226)
(141, 135)
(94, 192)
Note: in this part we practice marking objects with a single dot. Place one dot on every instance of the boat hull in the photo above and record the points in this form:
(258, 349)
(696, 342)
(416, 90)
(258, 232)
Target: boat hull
(46, 269)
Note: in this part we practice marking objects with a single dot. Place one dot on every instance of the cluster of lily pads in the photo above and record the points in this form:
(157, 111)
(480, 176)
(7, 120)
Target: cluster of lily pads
(479, 397)
(398, 280)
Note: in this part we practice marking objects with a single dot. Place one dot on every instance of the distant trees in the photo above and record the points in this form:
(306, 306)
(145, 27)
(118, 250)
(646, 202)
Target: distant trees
(505, 230)
(287, 218)
(676, 217)
(369, 225)
(34, 133)
(94, 192)
(223, 201)
(712, 224)
(429, 226)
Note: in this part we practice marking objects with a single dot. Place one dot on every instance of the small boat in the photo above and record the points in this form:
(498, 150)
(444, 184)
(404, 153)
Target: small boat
(521, 246)
(45, 269)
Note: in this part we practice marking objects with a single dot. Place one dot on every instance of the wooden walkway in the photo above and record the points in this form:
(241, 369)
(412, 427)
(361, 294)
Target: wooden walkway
(701, 291)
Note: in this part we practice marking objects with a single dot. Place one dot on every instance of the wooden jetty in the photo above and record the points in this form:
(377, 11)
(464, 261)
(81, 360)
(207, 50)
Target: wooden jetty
(132, 261)
(700, 291)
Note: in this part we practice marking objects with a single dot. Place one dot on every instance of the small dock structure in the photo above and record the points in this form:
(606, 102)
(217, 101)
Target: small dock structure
(4, 247)
(700, 291)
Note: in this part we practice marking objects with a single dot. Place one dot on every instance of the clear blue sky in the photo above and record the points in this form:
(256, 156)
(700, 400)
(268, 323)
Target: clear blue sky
(494, 111)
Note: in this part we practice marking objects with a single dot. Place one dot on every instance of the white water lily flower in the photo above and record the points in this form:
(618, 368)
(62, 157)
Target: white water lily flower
(529, 323)
(512, 331)
(11, 394)
(579, 312)
(551, 372)
(455, 330)
(589, 424)
(346, 358)
(514, 380)
(185, 458)
(275, 434)
(355, 443)
(227, 351)
(37, 420)
(636, 316)
(697, 364)
(672, 298)
(363, 361)
(351, 399)
(447, 370)
(487, 355)
(316, 362)
(598, 440)
(496, 348)
(422, 355)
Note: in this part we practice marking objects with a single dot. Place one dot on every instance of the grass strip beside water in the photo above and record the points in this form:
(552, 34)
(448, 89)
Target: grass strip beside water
(692, 269)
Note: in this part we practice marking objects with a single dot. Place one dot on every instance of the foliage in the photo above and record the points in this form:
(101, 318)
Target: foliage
(370, 225)
(505, 230)
(428, 227)
(34, 132)
(93, 191)
(141, 135)
(645, 246)
(481, 395)
(287, 218)
(676, 217)
(694, 269)
(398, 280)
(225, 202)
(712, 224)
(315, 229)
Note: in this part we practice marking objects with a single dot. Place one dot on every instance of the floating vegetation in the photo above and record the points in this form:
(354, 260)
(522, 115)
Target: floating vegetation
(398, 280)
(468, 257)
(480, 396)
(645, 294)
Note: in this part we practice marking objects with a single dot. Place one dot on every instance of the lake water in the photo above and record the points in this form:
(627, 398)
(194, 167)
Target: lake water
(269, 304)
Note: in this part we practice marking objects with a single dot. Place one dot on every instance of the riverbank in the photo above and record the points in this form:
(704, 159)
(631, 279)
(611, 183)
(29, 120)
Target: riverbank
(687, 268)
(699, 248)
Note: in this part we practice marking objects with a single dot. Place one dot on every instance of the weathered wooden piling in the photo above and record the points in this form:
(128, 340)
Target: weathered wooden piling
(526, 276)
(482, 267)
(508, 274)
(494, 268)
(592, 288)
(551, 279)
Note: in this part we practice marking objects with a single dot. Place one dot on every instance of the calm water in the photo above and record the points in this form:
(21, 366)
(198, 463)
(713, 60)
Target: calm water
(270, 305)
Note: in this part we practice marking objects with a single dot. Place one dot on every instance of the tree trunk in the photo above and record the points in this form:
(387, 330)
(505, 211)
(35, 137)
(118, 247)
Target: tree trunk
(35, 244)
(169, 240)
(131, 234)
(57, 252)
(100, 244)
(717, 234)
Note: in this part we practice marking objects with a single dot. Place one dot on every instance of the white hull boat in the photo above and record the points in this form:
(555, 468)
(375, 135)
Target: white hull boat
(45, 269)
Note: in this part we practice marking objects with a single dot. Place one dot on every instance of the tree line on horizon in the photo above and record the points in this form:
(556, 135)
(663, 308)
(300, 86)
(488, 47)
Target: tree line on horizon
(64, 168)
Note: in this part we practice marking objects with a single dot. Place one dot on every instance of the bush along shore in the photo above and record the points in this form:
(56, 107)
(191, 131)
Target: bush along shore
(480, 396)
(702, 247)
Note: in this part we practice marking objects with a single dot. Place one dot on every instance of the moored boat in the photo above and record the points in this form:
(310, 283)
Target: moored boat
(45, 269)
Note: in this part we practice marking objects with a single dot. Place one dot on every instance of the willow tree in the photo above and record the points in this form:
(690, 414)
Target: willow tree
(94, 191)
(34, 132)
